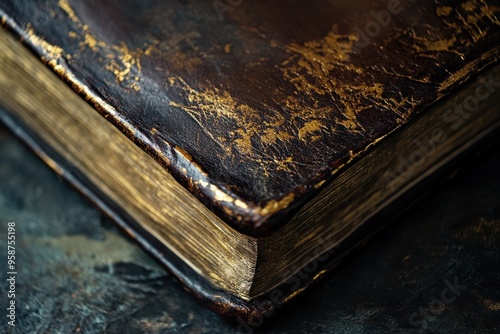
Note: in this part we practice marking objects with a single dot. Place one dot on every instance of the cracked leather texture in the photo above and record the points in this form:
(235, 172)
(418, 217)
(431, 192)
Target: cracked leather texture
(255, 107)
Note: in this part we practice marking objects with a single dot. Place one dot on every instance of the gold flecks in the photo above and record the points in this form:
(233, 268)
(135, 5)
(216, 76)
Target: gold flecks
(457, 76)
(127, 59)
(330, 89)
(64, 5)
(315, 138)
(240, 204)
(153, 131)
(90, 40)
(464, 72)
(424, 45)
(333, 50)
(470, 16)
(184, 153)
(444, 10)
(491, 305)
(126, 65)
(221, 196)
(149, 49)
(284, 164)
(271, 135)
(211, 103)
(275, 206)
(294, 294)
(59, 69)
(244, 142)
(310, 68)
(318, 275)
(52, 52)
(319, 184)
(486, 230)
(309, 127)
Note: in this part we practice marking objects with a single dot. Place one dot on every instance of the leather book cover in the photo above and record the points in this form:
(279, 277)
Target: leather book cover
(255, 106)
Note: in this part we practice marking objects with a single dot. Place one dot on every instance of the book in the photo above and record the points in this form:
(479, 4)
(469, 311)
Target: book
(249, 147)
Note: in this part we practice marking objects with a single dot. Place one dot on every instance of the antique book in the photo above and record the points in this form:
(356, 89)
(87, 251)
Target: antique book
(249, 146)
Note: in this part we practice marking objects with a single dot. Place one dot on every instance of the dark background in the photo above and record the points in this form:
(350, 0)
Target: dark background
(77, 273)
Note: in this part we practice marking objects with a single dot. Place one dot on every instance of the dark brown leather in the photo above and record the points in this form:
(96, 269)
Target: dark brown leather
(252, 106)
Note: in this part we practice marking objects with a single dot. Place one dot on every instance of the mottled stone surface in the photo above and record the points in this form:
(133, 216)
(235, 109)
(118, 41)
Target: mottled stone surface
(77, 273)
